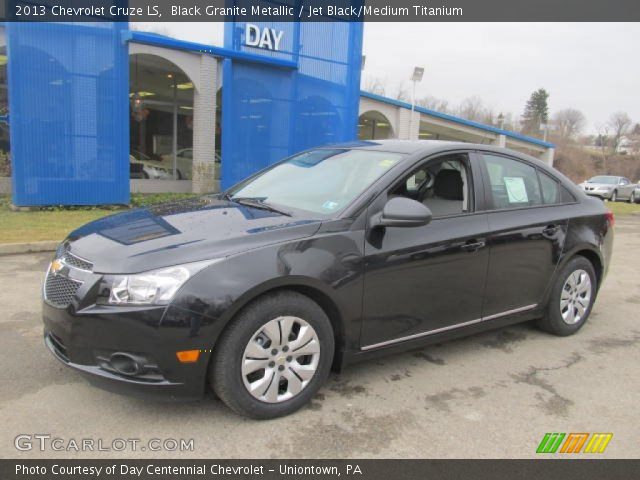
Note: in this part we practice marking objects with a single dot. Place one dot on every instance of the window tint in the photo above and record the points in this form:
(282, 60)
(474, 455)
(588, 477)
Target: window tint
(442, 184)
(513, 183)
(550, 189)
(566, 196)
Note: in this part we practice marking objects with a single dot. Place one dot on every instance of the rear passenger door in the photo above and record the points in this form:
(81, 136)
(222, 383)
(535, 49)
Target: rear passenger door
(527, 228)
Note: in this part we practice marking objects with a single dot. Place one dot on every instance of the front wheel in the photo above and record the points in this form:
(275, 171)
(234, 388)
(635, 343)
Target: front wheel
(632, 197)
(274, 356)
(614, 196)
(572, 296)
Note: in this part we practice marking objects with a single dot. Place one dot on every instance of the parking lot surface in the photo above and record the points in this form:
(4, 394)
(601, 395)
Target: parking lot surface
(491, 395)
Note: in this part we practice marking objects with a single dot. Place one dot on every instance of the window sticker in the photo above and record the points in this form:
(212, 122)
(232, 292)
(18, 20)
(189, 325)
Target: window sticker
(329, 205)
(516, 189)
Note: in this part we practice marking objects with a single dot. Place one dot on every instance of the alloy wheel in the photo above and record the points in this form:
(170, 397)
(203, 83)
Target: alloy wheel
(280, 359)
(576, 297)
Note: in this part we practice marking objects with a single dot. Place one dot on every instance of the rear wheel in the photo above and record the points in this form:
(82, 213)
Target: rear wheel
(632, 197)
(572, 297)
(614, 196)
(274, 356)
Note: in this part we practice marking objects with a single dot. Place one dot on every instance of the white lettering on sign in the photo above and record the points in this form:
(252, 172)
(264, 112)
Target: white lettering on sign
(268, 38)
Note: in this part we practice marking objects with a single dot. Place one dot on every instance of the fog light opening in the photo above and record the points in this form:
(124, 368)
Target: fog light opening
(125, 364)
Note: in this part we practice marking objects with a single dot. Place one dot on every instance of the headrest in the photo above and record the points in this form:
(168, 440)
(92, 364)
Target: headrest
(448, 184)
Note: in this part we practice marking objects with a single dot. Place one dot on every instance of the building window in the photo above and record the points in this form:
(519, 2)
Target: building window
(374, 125)
(161, 119)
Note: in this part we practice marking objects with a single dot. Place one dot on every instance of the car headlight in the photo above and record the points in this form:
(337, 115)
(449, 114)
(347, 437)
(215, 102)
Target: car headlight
(156, 287)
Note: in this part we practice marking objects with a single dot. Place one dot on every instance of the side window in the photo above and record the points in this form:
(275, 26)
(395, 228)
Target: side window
(550, 189)
(625, 181)
(512, 183)
(442, 184)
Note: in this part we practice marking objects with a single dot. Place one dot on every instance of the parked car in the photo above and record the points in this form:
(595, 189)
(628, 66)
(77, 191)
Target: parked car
(609, 187)
(332, 256)
(184, 163)
(142, 166)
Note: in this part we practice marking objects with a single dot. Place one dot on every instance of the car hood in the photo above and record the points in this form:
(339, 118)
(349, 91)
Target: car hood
(188, 231)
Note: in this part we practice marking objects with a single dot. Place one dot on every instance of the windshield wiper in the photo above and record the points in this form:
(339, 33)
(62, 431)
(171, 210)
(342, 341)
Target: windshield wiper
(258, 203)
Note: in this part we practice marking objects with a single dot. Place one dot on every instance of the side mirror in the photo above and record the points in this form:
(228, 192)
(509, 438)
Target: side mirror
(402, 212)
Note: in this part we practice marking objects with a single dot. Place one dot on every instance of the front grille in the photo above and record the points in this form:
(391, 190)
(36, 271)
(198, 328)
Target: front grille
(72, 260)
(59, 290)
(77, 262)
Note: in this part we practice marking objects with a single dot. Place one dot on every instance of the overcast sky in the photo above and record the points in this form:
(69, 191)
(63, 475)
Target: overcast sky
(589, 66)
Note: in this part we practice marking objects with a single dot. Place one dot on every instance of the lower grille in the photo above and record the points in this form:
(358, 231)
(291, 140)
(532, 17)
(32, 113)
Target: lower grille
(58, 346)
(59, 290)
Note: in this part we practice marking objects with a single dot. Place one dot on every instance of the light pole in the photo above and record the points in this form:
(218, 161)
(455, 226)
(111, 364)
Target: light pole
(418, 72)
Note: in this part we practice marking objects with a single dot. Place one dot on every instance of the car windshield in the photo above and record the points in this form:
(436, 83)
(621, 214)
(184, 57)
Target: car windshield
(604, 179)
(320, 181)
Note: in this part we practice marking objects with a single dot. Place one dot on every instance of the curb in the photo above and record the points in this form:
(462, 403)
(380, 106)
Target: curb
(30, 247)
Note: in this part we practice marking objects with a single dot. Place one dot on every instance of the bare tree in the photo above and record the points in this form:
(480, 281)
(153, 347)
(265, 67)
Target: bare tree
(375, 85)
(433, 103)
(402, 92)
(619, 123)
(471, 108)
(569, 123)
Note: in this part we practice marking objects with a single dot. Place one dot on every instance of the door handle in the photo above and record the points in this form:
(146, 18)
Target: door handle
(472, 246)
(550, 230)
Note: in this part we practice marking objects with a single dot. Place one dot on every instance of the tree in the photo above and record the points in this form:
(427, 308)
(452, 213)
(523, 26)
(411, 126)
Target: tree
(375, 85)
(569, 122)
(536, 111)
(620, 124)
(402, 92)
(472, 109)
(433, 103)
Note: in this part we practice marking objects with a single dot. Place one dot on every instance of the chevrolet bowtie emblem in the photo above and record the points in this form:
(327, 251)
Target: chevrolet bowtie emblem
(56, 266)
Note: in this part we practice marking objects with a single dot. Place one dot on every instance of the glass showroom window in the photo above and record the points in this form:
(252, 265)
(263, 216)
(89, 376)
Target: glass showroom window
(374, 125)
(161, 119)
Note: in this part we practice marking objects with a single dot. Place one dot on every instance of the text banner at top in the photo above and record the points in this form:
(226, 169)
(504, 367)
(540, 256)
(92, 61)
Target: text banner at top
(320, 10)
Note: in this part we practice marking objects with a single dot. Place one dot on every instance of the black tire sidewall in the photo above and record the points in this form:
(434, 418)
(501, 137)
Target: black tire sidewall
(226, 376)
(554, 321)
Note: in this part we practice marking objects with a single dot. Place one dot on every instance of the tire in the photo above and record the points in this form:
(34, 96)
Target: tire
(632, 197)
(145, 175)
(614, 196)
(244, 341)
(564, 315)
(178, 175)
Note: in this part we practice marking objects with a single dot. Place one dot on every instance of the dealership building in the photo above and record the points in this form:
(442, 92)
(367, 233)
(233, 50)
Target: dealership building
(92, 112)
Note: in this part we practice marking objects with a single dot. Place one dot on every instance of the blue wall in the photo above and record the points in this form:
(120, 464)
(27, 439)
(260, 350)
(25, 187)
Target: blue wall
(269, 113)
(68, 98)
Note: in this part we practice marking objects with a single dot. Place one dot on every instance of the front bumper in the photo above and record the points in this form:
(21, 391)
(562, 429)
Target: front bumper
(84, 340)
(604, 194)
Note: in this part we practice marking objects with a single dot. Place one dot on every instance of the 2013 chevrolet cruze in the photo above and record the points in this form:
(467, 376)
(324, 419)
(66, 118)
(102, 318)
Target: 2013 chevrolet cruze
(331, 256)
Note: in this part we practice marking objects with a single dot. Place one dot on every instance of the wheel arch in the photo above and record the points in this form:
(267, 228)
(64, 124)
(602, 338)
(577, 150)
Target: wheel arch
(312, 289)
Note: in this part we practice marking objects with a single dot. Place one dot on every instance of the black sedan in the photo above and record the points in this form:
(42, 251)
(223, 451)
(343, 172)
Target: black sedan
(331, 256)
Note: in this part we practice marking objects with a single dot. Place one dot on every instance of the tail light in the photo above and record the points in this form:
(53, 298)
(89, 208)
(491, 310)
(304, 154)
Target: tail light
(611, 219)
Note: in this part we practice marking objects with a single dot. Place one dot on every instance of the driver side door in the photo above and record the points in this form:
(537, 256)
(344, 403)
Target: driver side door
(425, 280)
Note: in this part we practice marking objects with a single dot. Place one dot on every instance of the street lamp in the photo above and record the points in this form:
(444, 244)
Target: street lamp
(418, 72)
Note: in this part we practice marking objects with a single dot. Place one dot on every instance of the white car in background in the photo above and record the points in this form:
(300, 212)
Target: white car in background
(151, 169)
(184, 163)
(611, 187)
